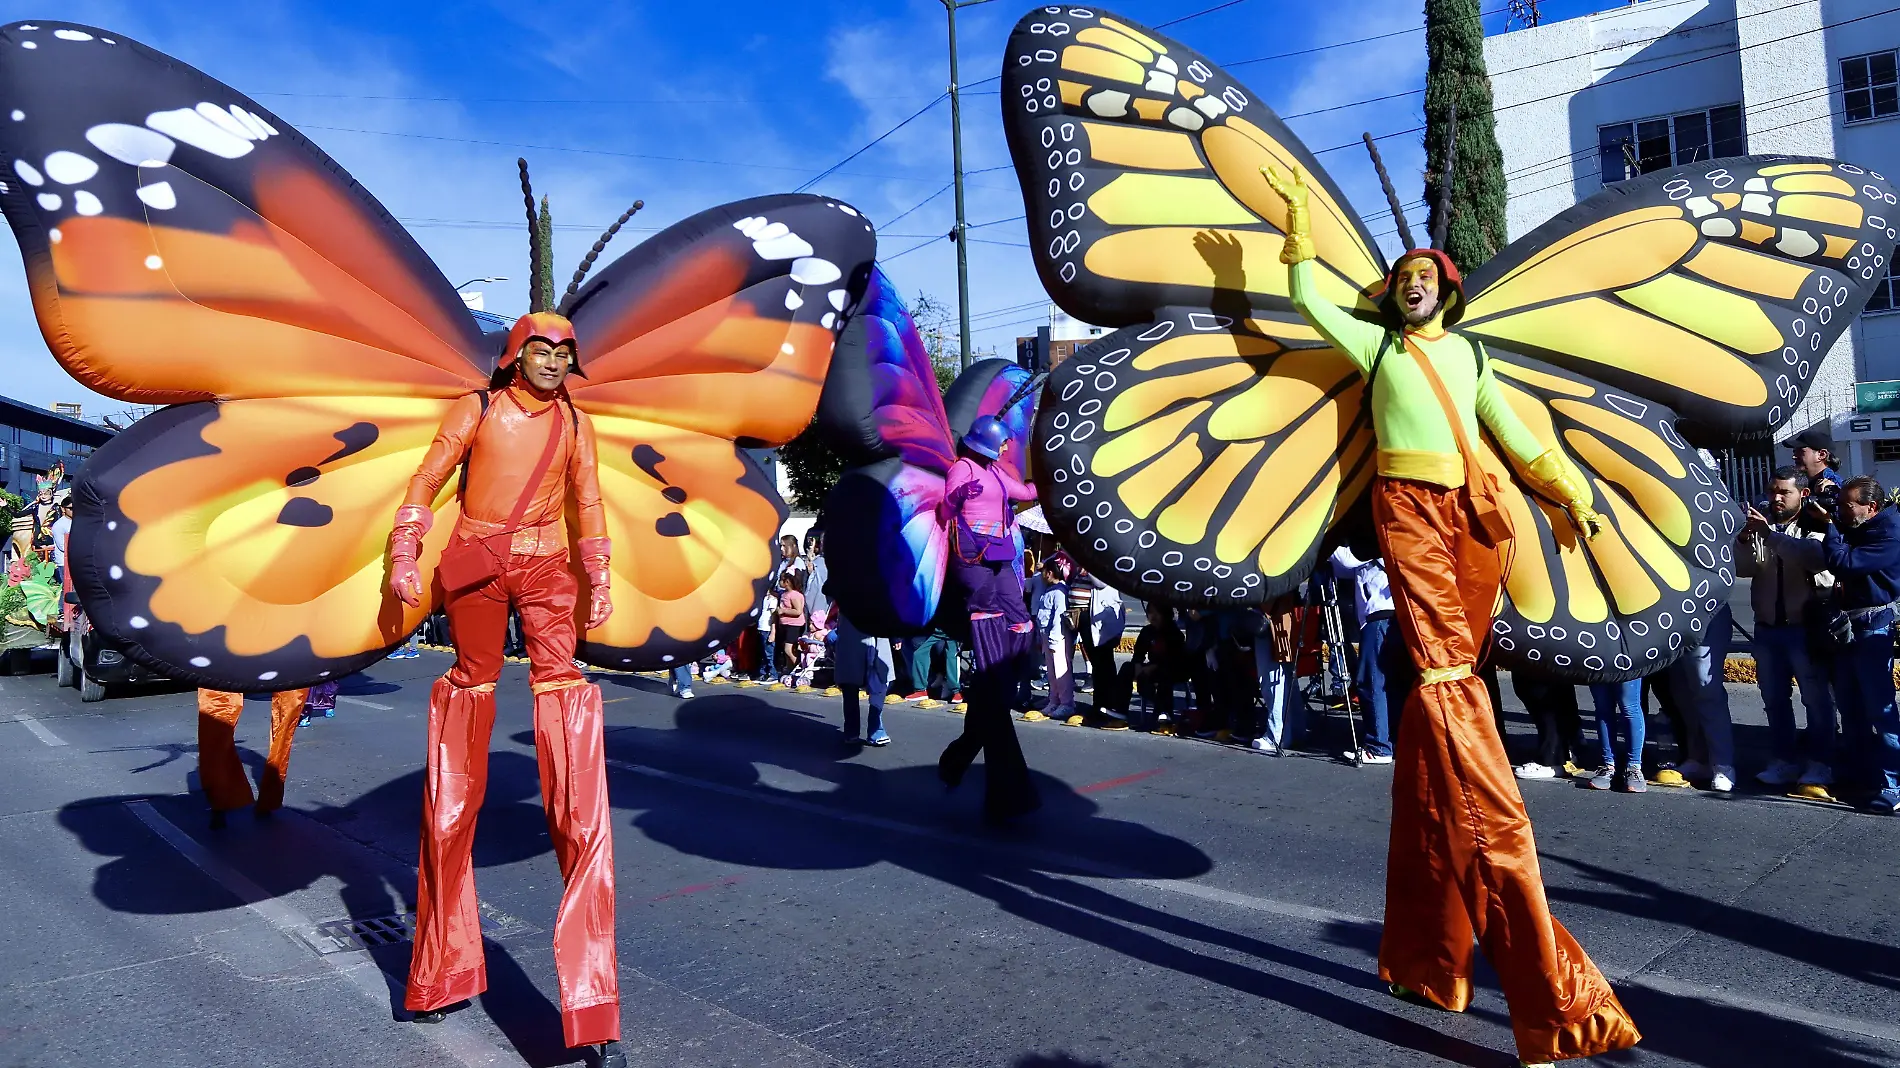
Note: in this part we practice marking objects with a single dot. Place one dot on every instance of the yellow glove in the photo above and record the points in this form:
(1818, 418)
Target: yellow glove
(1554, 481)
(1299, 225)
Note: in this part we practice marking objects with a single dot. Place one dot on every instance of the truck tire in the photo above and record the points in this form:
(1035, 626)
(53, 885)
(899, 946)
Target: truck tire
(90, 689)
(68, 673)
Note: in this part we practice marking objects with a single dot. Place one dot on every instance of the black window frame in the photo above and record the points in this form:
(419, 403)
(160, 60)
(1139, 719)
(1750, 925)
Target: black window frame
(1870, 87)
(1664, 141)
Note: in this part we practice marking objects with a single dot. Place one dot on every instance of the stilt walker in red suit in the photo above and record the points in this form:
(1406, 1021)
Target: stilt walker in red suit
(523, 452)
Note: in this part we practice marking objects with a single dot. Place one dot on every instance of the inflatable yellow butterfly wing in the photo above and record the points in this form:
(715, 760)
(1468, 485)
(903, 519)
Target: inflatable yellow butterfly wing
(1202, 454)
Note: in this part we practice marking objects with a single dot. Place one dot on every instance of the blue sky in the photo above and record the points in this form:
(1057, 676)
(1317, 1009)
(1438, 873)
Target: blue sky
(687, 105)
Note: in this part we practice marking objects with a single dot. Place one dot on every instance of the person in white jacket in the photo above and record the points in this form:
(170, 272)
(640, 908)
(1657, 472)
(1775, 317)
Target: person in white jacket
(1108, 619)
(1382, 661)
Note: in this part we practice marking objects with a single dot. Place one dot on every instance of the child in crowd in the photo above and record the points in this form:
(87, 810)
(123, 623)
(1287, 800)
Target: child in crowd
(811, 648)
(719, 667)
(1052, 627)
(1160, 650)
(791, 622)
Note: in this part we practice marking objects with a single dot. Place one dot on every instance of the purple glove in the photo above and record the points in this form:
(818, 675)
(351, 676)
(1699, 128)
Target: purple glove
(966, 492)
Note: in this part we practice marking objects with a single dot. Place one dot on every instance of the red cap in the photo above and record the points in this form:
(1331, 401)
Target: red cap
(549, 327)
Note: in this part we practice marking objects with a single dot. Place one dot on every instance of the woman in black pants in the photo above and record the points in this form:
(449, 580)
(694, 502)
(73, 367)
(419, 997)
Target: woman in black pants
(1553, 707)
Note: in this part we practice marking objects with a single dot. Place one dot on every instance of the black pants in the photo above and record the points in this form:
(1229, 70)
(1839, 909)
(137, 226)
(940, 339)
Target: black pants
(989, 729)
(1108, 693)
(1553, 707)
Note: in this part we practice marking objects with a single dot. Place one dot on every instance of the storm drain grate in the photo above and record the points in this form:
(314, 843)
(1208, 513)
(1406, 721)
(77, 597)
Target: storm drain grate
(355, 936)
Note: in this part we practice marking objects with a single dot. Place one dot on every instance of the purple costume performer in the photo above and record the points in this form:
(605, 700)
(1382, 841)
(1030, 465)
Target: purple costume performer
(983, 561)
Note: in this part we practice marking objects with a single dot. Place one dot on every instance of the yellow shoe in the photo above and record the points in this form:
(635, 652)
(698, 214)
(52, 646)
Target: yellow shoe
(1571, 770)
(929, 703)
(1033, 716)
(1223, 736)
(1670, 777)
(1808, 791)
(960, 708)
(1074, 721)
(1110, 723)
(1166, 730)
(833, 691)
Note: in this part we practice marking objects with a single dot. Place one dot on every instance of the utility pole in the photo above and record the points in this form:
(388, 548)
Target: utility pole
(961, 232)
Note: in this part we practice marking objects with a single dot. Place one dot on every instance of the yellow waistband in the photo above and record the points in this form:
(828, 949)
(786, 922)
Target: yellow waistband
(1445, 469)
(540, 688)
(1432, 676)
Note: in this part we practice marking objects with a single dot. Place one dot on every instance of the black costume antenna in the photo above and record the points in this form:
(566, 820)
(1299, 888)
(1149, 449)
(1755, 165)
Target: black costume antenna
(1391, 196)
(536, 254)
(1021, 392)
(587, 262)
(1443, 222)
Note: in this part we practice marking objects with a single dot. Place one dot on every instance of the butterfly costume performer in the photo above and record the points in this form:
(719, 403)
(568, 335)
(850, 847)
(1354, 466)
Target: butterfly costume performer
(1263, 398)
(185, 247)
(922, 533)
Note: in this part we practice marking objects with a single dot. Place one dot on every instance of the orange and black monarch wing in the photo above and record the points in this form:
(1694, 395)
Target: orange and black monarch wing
(185, 246)
(712, 337)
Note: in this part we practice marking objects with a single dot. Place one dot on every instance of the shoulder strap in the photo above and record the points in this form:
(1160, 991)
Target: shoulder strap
(462, 487)
(1372, 376)
(1424, 363)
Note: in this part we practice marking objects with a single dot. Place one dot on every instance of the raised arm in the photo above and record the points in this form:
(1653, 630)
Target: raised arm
(1358, 340)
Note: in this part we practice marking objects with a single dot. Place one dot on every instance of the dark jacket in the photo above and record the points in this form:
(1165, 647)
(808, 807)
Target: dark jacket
(1865, 560)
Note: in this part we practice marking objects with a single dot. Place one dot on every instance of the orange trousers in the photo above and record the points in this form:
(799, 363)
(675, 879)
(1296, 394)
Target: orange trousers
(1462, 864)
(448, 965)
(220, 771)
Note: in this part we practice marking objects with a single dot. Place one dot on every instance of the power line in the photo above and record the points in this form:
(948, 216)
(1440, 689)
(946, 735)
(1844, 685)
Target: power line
(941, 97)
(1357, 40)
(1198, 14)
(602, 101)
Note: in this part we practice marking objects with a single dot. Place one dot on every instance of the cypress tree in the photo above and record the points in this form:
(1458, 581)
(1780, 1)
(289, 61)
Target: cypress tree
(1455, 74)
(544, 276)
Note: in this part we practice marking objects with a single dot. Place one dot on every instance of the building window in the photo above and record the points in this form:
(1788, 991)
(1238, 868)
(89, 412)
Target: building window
(1627, 149)
(1886, 450)
(1883, 298)
(1868, 87)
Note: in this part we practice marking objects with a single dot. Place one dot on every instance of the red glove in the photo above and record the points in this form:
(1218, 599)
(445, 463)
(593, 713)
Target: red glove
(595, 555)
(405, 544)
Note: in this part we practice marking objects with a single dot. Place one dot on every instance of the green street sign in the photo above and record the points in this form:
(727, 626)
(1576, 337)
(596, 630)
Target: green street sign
(1877, 396)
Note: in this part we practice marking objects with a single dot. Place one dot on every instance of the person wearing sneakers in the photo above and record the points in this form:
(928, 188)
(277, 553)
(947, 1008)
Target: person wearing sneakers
(1058, 645)
(1791, 605)
(1552, 704)
(1108, 619)
(1275, 651)
(1619, 704)
(861, 663)
(1383, 665)
(1862, 549)
(1697, 682)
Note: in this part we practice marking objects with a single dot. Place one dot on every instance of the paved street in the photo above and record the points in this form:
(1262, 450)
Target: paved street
(787, 901)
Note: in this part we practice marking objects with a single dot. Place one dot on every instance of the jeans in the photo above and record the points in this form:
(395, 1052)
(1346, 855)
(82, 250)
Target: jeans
(1697, 679)
(1280, 689)
(1781, 659)
(682, 678)
(770, 656)
(1863, 683)
(1619, 704)
(920, 650)
(1376, 673)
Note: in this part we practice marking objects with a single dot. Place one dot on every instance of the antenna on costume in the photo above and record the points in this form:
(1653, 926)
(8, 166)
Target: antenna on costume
(1022, 391)
(537, 254)
(587, 263)
(1391, 196)
(1443, 222)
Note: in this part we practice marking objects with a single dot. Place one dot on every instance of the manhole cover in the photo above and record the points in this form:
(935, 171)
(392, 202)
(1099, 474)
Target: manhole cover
(350, 936)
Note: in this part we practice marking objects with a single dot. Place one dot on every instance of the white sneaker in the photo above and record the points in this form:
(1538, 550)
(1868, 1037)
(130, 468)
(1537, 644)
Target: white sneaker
(1779, 773)
(1818, 774)
(1374, 758)
(1263, 745)
(686, 694)
(1534, 770)
(1723, 781)
(1693, 770)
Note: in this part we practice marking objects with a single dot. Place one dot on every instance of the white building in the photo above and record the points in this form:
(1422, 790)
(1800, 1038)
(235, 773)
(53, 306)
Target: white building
(1593, 100)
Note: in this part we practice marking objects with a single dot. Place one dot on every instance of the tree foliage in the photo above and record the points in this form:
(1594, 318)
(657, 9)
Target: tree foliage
(1455, 74)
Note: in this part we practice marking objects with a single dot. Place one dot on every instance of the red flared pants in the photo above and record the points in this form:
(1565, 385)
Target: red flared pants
(1462, 863)
(447, 965)
(220, 771)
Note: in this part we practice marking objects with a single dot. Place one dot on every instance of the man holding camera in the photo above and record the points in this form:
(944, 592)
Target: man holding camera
(1862, 548)
(1813, 453)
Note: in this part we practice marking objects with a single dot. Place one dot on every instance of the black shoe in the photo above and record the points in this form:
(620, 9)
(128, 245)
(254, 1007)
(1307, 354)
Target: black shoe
(436, 1015)
(611, 1055)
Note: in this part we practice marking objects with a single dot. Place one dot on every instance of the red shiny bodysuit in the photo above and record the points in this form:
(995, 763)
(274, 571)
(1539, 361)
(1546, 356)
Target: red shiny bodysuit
(527, 456)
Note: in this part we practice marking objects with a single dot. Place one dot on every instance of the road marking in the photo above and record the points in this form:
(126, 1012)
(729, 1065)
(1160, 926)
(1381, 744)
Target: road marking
(366, 704)
(1287, 909)
(1110, 784)
(39, 729)
(452, 1036)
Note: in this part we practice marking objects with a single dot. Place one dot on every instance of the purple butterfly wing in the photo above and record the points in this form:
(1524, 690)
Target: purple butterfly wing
(880, 399)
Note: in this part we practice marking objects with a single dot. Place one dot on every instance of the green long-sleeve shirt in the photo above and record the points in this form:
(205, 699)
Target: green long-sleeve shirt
(1415, 440)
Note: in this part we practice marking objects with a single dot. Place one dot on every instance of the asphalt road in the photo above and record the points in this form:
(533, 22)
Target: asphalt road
(788, 901)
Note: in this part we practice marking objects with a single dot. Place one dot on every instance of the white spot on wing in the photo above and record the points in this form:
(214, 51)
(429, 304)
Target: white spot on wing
(1109, 103)
(226, 121)
(139, 622)
(187, 125)
(159, 195)
(118, 572)
(813, 271)
(200, 661)
(50, 201)
(1798, 243)
(70, 168)
(793, 301)
(1186, 118)
(28, 173)
(18, 115)
(72, 35)
(86, 204)
(131, 145)
(837, 297)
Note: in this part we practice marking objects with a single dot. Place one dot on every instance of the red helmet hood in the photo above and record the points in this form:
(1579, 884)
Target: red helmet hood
(549, 327)
(1448, 279)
